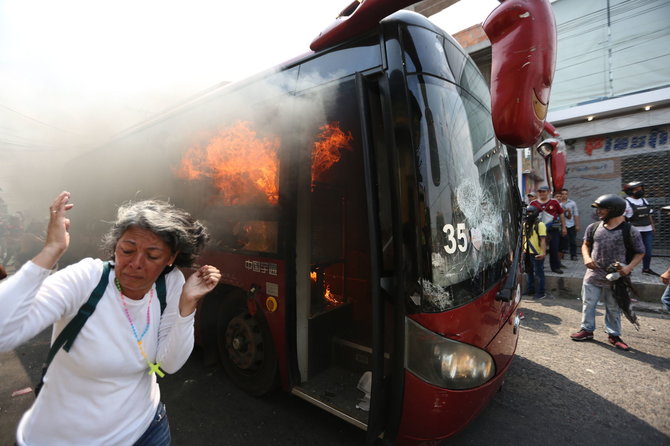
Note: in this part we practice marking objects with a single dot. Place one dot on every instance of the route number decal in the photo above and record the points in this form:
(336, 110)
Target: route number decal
(456, 238)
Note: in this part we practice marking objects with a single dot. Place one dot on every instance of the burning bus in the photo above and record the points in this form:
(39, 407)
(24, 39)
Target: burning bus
(363, 214)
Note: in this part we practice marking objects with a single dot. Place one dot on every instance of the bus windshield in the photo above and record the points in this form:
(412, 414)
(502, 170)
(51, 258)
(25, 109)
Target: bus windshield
(468, 222)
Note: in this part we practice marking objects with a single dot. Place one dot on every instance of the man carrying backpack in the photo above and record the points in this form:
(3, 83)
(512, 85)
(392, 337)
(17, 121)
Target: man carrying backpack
(638, 213)
(611, 240)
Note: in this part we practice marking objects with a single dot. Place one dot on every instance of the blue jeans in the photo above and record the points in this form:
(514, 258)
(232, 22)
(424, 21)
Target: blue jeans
(536, 270)
(158, 432)
(590, 296)
(648, 240)
(666, 298)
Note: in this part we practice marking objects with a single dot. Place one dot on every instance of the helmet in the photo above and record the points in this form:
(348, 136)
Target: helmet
(628, 187)
(613, 203)
(531, 213)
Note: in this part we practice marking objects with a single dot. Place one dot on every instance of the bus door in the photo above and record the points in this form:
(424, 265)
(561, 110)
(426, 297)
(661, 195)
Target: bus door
(341, 351)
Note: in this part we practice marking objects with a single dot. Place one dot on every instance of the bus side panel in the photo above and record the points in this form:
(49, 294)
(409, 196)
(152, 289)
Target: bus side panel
(267, 276)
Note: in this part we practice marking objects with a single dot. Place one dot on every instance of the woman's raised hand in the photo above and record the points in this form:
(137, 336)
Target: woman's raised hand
(58, 236)
(198, 284)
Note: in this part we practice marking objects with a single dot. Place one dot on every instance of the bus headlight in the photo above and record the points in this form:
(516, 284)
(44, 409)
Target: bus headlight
(443, 362)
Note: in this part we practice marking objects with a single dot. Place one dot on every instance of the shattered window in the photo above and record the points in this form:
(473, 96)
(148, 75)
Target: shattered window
(465, 194)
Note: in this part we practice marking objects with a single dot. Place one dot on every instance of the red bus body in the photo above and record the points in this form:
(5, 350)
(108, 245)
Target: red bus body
(363, 215)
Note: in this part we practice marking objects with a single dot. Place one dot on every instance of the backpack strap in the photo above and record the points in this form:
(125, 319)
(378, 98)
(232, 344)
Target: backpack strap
(66, 337)
(591, 234)
(627, 239)
(161, 291)
(72, 329)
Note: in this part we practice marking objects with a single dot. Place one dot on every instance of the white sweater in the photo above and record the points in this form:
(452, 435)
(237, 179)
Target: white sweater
(100, 392)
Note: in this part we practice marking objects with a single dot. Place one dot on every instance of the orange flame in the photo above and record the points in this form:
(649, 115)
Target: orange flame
(243, 166)
(330, 297)
(327, 149)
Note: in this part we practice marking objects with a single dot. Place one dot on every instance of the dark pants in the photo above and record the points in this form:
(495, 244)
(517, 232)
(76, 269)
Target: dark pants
(158, 432)
(648, 240)
(554, 242)
(572, 241)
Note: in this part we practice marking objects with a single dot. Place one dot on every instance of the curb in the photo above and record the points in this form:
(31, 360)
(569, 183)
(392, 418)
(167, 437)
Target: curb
(572, 287)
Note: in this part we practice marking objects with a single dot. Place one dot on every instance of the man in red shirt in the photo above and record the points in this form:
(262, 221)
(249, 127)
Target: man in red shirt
(551, 214)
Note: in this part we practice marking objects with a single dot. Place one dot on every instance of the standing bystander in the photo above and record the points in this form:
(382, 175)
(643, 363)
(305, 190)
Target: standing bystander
(611, 240)
(571, 214)
(530, 197)
(551, 214)
(535, 248)
(638, 213)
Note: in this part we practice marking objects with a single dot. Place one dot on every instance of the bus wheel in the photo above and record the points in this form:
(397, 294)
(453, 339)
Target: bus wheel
(245, 346)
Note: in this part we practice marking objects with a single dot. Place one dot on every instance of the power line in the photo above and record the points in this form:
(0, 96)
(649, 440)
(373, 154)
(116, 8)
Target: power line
(36, 120)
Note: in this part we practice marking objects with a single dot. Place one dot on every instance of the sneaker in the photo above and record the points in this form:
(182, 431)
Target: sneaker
(557, 271)
(618, 342)
(563, 266)
(650, 272)
(529, 293)
(582, 335)
(540, 297)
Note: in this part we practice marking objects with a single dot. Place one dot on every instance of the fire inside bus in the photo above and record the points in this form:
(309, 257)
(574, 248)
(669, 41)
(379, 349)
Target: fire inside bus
(362, 212)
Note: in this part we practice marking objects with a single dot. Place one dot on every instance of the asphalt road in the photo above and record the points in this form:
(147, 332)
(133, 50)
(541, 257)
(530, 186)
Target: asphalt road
(557, 392)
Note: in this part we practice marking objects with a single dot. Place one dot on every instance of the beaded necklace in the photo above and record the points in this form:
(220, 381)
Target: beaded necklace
(153, 367)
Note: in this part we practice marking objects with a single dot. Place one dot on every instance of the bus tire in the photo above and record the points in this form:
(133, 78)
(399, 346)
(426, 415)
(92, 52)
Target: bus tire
(245, 346)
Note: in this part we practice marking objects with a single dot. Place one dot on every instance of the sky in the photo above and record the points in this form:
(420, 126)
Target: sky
(75, 72)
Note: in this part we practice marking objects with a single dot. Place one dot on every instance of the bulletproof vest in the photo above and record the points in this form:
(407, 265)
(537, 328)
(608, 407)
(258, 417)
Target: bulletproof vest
(641, 214)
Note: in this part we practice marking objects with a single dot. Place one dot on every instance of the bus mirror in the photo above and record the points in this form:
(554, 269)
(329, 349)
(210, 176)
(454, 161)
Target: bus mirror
(558, 167)
(555, 161)
(523, 41)
(547, 147)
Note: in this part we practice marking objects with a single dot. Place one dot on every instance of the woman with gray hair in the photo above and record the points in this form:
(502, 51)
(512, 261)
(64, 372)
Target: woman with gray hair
(137, 314)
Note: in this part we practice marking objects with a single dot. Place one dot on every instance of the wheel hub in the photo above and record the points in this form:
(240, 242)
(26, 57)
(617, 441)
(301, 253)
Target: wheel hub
(244, 342)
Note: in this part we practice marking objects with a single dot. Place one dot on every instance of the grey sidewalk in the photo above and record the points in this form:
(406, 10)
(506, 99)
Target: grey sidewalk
(569, 284)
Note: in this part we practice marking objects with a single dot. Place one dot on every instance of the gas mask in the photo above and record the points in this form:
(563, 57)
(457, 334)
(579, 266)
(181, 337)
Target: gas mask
(638, 193)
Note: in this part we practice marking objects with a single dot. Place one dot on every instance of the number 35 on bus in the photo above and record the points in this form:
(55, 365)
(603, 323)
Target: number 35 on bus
(363, 214)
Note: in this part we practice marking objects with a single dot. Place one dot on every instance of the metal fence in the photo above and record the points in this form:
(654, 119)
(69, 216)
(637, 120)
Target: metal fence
(653, 170)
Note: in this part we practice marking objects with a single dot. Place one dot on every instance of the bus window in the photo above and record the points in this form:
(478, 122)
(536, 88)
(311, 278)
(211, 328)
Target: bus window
(235, 167)
(466, 214)
(358, 56)
(418, 41)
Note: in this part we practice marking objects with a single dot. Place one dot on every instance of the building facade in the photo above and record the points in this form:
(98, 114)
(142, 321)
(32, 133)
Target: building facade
(610, 101)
